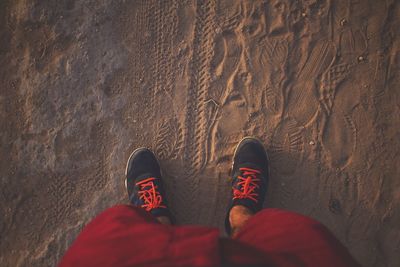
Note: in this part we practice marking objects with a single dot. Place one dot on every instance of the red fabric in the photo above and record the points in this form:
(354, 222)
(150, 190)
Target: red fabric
(128, 236)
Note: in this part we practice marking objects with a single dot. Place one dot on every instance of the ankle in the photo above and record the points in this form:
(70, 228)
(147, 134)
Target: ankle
(238, 216)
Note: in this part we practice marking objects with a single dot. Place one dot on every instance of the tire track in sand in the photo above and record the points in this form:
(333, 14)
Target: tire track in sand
(163, 27)
(195, 136)
(143, 51)
(161, 22)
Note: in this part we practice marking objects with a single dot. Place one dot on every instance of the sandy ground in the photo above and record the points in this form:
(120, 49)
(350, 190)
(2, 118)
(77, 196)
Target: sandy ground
(85, 82)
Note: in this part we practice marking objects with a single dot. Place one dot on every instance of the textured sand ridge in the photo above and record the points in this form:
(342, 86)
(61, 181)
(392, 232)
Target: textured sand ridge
(84, 82)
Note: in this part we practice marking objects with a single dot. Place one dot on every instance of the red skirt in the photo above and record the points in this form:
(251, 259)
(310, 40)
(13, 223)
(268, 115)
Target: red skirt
(129, 236)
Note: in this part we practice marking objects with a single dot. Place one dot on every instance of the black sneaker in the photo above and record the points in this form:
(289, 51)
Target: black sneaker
(144, 184)
(250, 176)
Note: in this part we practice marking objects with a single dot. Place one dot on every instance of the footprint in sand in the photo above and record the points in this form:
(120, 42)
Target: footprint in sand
(339, 139)
(287, 147)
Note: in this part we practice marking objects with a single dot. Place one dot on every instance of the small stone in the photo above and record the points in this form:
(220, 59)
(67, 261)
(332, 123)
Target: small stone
(303, 15)
(312, 143)
(360, 58)
(343, 22)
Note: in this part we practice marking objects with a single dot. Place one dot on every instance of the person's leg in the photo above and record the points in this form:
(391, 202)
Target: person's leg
(301, 239)
(238, 217)
(132, 235)
(112, 237)
(295, 239)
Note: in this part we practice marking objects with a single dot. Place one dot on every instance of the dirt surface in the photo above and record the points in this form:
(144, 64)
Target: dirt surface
(85, 82)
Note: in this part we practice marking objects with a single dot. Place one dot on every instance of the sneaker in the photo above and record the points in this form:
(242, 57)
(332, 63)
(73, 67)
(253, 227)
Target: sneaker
(144, 184)
(250, 176)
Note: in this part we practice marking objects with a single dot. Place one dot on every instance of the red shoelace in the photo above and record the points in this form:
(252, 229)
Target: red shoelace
(149, 194)
(247, 185)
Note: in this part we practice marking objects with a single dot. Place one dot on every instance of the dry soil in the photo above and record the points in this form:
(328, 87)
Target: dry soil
(85, 82)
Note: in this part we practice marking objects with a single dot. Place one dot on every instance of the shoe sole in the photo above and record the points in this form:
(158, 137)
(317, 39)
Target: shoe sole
(132, 155)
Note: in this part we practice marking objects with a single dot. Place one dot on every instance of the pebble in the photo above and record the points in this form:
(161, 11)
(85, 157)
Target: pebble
(312, 143)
